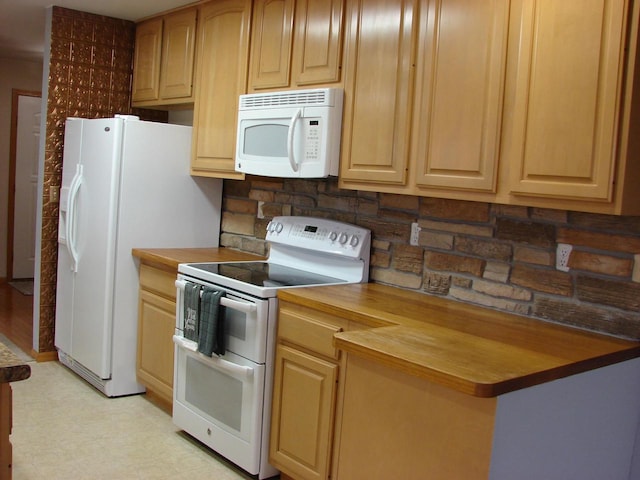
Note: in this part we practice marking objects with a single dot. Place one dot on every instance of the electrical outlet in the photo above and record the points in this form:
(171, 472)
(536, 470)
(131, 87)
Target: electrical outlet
(563, 252)
(415, 234)
(54, 194)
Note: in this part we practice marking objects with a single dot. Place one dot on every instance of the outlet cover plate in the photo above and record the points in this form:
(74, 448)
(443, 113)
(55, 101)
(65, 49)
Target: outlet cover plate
(415, 234)
(563, 252)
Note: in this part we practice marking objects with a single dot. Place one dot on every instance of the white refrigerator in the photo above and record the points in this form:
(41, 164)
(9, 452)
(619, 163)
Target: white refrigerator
(125, 184)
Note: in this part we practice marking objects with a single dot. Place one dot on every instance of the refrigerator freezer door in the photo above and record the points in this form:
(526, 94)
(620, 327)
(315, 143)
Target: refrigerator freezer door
(85, 318)
(65, 278)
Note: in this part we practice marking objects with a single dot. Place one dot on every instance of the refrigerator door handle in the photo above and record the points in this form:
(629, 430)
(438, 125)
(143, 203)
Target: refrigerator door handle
(71, 217)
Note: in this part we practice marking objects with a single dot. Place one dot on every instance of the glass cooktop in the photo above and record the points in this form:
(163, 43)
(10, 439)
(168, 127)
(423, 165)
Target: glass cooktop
(264, 274)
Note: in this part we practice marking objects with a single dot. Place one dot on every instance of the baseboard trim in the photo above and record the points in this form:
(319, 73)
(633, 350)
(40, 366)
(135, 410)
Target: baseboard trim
(44, 356)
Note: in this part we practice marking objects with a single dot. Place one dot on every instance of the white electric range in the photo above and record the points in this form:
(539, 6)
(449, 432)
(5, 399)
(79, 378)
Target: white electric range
(224, 400)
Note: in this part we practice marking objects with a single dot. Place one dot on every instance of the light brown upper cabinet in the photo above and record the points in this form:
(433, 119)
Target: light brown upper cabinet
(507, 101)
(565, 90)
(223, 52)
(424, 83)
(461, 58)
(380, 39)
(296, 43)
(164, 60)
(146, 61)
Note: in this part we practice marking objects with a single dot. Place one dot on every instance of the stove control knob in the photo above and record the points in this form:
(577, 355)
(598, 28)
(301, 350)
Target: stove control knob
(355, 240)
(333, 236)
(343, 238)
(279, 227)
(270, 227)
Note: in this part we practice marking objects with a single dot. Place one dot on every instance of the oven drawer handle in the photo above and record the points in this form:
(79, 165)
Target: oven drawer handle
(219, 363)
(227, 302)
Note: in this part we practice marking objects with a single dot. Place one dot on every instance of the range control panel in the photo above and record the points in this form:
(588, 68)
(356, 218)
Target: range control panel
(319, 235)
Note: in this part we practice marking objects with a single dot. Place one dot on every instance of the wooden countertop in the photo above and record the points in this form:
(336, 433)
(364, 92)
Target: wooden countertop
(475, 350)
(12, 369)
(171, 257)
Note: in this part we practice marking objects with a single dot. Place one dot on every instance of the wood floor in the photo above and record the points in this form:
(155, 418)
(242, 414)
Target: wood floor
(16, 317)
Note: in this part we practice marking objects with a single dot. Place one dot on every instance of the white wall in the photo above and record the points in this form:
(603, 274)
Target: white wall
(21, 75)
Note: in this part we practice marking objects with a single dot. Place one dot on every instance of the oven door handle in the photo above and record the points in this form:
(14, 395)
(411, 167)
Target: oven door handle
(244, 307)
(236, 305)
(219, 363)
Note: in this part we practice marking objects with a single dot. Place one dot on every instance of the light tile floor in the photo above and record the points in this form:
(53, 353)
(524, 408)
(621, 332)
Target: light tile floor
(65, 429)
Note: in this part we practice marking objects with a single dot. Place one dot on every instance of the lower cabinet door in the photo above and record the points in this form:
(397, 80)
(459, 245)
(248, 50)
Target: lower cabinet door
(303, 414)
(156, 326)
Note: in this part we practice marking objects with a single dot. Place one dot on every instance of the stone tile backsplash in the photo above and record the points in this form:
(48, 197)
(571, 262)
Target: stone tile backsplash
(497, 256)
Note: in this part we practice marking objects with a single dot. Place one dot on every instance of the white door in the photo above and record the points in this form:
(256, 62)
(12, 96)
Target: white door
(26, 186)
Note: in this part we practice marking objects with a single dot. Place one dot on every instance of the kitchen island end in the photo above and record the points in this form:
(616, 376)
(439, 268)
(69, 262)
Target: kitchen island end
(12, 369)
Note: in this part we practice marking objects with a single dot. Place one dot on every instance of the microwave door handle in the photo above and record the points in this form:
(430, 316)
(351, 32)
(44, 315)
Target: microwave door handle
(219, 363)
(290, 152)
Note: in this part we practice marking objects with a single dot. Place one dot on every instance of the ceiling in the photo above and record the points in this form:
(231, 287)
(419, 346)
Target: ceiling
(22, 22)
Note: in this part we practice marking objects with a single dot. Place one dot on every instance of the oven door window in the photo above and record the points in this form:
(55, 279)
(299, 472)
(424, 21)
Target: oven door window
(214, 393)
(246, 323)
(246, 327)
(226, 392)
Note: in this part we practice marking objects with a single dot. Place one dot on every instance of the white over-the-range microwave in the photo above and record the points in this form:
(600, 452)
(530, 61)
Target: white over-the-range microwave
(290, 134)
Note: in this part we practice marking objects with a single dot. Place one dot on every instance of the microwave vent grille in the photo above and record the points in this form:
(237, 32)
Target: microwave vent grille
(286, 99)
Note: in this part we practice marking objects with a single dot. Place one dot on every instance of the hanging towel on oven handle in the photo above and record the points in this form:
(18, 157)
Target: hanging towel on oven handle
(191, 310)
(211, 328)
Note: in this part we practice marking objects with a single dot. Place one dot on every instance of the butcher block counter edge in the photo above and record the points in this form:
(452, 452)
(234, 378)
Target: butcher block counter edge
(170, 258)
(471, 349)
(12, 369)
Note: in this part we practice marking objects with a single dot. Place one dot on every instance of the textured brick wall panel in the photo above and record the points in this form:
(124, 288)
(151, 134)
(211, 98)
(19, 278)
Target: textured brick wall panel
(536, 256)
(599, 240)
(497, 271)
(461, 228)
(624, 295)
(502, 290)
(593, 317)
(542, 280)
(528, 233)
(454, 263)
(394, 277)
(484, 248)
(488, 300)
(407, 258)
(599, 263)
(437, 283)
(498, 256)
(455, 210)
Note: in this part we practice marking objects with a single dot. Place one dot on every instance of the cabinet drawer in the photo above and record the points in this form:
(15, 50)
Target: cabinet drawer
(158, 281)
(309, 329)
